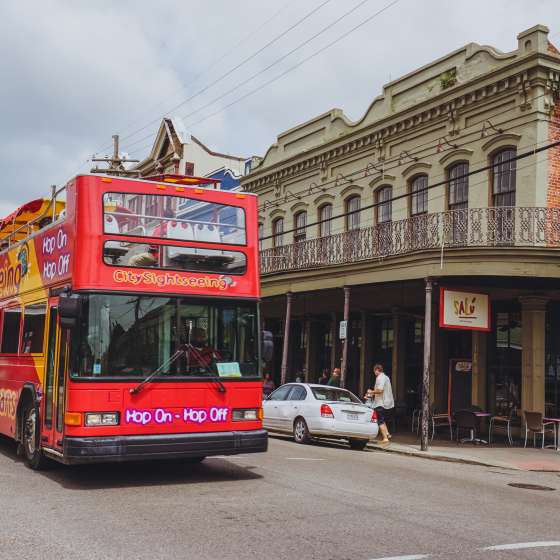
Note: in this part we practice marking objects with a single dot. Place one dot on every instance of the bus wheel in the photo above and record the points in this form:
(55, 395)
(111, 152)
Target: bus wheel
(34, 458)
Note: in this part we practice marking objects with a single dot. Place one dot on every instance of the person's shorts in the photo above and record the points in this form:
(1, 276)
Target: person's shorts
(380, 411)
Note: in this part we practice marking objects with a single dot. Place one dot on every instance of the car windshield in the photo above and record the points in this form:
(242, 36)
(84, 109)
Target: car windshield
(333, 394)
(132, 336)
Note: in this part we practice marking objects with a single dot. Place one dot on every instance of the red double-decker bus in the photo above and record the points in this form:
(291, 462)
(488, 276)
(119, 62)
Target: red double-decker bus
(130, 322)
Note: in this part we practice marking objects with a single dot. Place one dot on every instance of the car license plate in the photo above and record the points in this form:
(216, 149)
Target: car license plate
(352, 417)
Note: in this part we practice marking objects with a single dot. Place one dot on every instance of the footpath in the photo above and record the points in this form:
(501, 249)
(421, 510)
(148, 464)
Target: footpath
(515, 458)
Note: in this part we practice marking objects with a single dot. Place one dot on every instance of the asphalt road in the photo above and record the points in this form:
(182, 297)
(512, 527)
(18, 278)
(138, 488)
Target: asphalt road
(294, 502)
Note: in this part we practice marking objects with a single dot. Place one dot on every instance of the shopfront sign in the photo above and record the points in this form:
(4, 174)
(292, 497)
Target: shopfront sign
(464, 310)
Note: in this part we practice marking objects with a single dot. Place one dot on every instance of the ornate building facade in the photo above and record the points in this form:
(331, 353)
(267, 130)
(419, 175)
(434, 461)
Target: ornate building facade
(447, 181)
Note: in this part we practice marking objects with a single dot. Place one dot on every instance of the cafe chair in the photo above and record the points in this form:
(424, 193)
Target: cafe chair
(466, 420)
(442, 419)
(534, 424)
(502, 423)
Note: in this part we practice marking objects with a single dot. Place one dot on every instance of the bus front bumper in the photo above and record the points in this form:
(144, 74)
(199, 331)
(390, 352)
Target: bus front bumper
(161, 446)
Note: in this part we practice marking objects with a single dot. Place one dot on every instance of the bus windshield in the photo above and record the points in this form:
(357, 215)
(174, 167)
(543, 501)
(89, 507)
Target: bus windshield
(129, 336)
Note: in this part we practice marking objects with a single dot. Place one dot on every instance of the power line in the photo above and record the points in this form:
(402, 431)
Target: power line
(282, 74)
(228, 52)
(419, 191)
(231, 70)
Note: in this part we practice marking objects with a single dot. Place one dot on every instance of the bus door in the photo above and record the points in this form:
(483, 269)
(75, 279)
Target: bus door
(55, 380)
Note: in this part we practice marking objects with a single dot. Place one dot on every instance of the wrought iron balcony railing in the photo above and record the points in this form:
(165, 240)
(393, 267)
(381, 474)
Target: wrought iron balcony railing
(473, 227)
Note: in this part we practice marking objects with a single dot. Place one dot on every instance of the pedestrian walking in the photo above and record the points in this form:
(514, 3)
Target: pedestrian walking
(334, 380)
(268, 385)
(383, 401)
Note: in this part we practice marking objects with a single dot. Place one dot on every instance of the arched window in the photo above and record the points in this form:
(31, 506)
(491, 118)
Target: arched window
(278, 232)
(419, 195)
(300, 223)
(384, 208)
(352, 220)
(458, 187)
(325, 223)
(260, 235)
(504, 178)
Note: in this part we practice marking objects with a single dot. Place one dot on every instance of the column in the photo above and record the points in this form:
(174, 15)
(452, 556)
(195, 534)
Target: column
(344, 362)
(427, 366)
(285, 346)
(334, 339)
(399, 354)
(479, 360)
(364, 353)
(533, 321)
(308, 344)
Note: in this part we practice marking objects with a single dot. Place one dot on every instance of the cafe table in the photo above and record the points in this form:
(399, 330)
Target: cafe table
(557, 422)
(472, 439)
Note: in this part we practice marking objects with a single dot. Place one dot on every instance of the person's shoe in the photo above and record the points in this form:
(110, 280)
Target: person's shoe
(389, 436)
(384, 442)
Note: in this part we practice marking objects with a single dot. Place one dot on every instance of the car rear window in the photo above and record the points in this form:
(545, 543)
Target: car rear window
(332, 394)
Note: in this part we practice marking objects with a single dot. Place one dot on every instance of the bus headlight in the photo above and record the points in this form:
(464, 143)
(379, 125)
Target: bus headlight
(101, 418)
(250, 414)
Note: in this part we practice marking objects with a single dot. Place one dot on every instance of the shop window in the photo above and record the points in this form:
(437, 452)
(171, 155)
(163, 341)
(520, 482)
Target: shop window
(33, 329)
(10, 330)
(504, 178)
(552, 367)
(386, 334)
(418, 331)
(325, 215)
(505, 363)
(278, 232)
(419, 195)
(300, 223)
(352, 220)
(384, 208)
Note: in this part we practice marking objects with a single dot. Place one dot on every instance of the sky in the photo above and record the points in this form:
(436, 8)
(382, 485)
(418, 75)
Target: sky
(72, 74)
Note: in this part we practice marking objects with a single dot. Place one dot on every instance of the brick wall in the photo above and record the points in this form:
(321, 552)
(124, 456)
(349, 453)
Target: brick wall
(553, 193)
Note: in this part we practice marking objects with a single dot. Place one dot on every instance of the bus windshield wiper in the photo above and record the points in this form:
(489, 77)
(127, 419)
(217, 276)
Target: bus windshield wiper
(168, 362)
(182, 350)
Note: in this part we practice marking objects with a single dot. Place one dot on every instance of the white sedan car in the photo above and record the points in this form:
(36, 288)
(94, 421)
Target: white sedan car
(308, 410)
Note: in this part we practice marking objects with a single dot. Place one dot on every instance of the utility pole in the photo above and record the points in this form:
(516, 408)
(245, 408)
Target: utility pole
(116, 163)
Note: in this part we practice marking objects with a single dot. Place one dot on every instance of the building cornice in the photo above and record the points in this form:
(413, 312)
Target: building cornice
(436, 110)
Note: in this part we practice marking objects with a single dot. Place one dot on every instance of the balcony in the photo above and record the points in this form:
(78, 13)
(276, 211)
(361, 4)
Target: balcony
(474, 227)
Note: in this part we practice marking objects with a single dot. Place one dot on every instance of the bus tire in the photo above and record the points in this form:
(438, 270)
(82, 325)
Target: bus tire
(30, 437)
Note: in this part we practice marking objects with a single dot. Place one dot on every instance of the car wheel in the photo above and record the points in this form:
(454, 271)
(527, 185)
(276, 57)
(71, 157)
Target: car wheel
(301, 432)
(358, 444)
(34, 457)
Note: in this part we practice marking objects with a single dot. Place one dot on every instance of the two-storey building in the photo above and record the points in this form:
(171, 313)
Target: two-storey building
(439, 185)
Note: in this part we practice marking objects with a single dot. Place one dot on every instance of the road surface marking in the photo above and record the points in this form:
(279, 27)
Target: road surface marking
(409, 557)
(303, 459)
(522, 545)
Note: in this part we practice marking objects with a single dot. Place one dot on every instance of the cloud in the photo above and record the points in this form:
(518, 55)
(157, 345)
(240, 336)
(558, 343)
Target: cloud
(76, 73)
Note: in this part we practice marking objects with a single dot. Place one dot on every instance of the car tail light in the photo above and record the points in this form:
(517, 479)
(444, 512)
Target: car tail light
(326, 411)
(373, 416)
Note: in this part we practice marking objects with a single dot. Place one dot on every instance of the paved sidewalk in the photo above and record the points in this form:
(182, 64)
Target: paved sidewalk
(516, 458)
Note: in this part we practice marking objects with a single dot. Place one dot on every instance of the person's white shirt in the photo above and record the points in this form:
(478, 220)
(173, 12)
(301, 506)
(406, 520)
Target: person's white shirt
(385, 399)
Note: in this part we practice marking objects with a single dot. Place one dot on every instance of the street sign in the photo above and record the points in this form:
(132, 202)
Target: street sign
(342, 330)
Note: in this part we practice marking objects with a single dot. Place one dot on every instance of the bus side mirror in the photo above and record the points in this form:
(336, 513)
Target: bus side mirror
(69, 310)
(267, 346)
